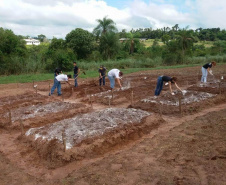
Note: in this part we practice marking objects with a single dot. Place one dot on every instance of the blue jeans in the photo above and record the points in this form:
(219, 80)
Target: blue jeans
(112, 81)
(76, 83)
(100, 80)
(159, 86)
(57, 85)
(204, 75)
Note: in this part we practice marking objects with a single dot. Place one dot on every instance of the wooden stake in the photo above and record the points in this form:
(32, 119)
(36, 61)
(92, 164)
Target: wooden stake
(132, 97)
(112, 94)
(160, 109)
(36, 90)
(180, 107)
(64, 140)
(10, 118)
(22, 127)
(49, 88)
(90, 100)
(220, 87)
(109, 102)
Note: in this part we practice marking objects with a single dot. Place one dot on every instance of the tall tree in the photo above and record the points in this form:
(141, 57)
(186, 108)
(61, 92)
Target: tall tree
(109, 45)
(41, 37)
(81, 41)
(185, 39)
(104, 26)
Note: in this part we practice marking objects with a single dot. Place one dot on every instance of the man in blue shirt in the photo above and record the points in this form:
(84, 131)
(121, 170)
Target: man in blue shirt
(76, 73)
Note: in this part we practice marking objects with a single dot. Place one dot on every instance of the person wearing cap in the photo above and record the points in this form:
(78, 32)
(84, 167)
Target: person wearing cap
(115, 74)
(167, 79)
(207, 69)
(102, 73)
(59, 78)
(76, 73)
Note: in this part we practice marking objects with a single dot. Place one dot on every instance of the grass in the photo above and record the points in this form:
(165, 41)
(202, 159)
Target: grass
(25, 78)
(207, 44)
(149, 43)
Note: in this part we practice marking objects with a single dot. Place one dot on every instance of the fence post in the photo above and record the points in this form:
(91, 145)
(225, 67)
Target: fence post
(10, 117)
(22, 127)
(64, 139)
(90, 100)
(109, 101)
(180, 106)
(160, 109)
(62, 97)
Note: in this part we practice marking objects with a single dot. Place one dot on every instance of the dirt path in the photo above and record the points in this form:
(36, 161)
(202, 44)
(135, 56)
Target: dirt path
(40, 172)
(181, 150)
(149, 161)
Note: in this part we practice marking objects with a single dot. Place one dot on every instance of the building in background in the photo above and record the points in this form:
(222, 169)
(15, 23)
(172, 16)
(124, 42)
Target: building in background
(32, 42)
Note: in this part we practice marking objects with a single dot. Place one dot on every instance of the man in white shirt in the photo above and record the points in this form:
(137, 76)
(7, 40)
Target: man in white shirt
(112, 75)
(57, 84)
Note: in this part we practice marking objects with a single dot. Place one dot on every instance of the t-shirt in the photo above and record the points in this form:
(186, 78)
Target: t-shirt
(76, 70)
(114, 73)
(102, 71)
(62, 78)
(208, 65)
(166, 79)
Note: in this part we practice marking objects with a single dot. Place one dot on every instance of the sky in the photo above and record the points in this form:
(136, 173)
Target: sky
(57, 18)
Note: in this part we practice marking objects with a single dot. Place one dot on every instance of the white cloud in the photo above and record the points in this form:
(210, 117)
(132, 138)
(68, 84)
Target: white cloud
(58, 17)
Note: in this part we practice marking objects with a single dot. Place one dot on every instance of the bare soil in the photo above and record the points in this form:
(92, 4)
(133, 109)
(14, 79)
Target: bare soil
(91, 135)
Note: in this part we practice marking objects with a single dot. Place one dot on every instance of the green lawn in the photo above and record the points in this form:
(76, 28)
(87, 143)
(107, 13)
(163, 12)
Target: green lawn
(149, 43)
(24, 78)
(207, 44)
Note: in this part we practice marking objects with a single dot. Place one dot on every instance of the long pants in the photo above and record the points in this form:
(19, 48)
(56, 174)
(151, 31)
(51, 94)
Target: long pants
(159, 86)
(112, 81)
(102, 79)
(57, 85)
(204, 75)
(76, 82)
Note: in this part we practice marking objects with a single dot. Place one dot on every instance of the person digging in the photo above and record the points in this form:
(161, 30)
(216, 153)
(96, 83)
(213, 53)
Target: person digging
(113, 75)
(102, 72)
(168, 80)
(207, 69)
(76, 73)
(57, 83)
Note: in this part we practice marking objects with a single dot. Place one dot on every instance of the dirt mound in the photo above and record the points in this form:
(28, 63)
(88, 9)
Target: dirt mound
(36, 111)
(210, 87)
(90, 134)
(191, 102)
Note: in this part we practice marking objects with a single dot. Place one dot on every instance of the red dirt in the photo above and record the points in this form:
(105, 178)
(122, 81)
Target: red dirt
(167, 147)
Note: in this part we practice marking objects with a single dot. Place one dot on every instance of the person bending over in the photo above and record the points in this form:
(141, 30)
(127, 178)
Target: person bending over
(113, 75)
(59, 78)
(205, 69)
(169, 80)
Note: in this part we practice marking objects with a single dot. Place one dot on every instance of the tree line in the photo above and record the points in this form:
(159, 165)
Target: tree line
(180, 47)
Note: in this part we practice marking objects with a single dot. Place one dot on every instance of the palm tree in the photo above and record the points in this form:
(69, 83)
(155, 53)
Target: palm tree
(109, 45)
(185, 39)
(104, 26)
